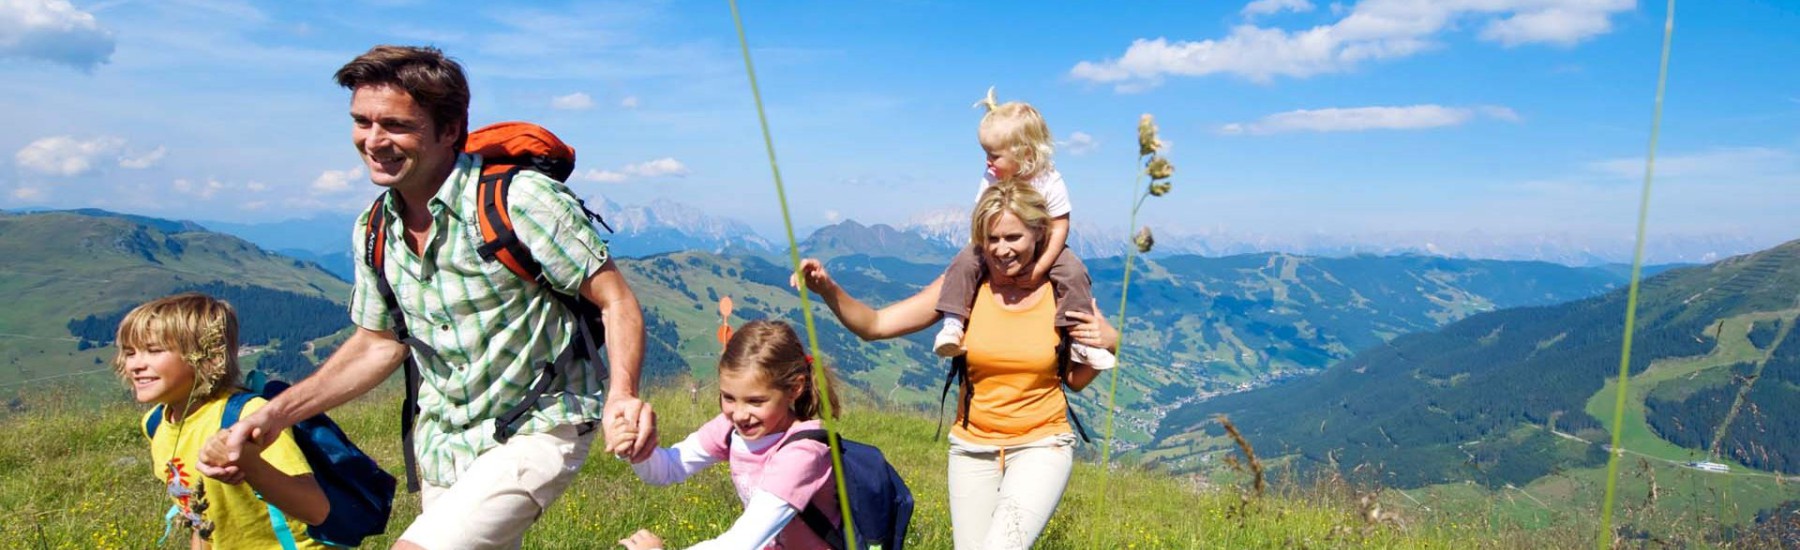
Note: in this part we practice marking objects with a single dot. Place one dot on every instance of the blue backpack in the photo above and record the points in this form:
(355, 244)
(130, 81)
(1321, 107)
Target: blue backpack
(879, 500)
(360, 492)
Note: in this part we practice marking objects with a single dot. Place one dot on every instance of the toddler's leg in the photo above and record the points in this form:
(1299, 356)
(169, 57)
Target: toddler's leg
(1075, 292)
(960, 281)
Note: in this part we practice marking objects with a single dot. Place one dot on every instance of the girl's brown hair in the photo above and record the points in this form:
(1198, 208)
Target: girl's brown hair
(774, 351)
(202, 329)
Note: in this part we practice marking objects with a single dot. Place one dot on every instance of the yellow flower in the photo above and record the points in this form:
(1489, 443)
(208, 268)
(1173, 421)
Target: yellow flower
(1147, 142)
(1159, 168)
(1144, 240)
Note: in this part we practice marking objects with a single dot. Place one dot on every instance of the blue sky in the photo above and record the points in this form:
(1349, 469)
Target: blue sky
(1510, 117)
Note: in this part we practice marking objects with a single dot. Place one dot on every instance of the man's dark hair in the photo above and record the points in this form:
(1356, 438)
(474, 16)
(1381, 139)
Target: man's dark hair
(435, 81)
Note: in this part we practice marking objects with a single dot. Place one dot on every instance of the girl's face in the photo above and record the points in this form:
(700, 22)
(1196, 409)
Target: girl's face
(755, 406)
(1000, 165)
(158, 374)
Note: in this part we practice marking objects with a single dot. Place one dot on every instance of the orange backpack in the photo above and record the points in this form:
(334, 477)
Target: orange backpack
(505, 148)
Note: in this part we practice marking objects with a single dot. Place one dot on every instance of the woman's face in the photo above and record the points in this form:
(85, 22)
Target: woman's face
(1011, 247)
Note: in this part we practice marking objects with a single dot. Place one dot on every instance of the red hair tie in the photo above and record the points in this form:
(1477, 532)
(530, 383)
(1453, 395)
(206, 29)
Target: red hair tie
(808, 358)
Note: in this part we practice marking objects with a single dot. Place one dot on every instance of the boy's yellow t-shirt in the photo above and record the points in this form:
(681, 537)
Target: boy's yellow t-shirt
(240, 519)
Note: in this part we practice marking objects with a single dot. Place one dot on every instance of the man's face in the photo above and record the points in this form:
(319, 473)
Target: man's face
(399, 143)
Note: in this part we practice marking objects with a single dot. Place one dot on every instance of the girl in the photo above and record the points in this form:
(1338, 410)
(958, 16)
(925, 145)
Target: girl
(1019, 146)
(766, 392)
(180, 352)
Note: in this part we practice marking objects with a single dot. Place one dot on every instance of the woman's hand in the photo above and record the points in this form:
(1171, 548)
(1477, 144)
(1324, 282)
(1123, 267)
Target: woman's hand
(1093, 330)
(642, 540)
(813, 272)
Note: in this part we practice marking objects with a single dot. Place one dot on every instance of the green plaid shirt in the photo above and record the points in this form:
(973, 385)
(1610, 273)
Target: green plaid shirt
(492, 330)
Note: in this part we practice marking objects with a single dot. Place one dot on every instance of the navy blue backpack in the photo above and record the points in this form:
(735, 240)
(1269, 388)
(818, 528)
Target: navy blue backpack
(879, 500)
(360, 492)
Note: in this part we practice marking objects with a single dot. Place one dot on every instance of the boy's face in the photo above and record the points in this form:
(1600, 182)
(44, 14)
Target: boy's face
(158, 374)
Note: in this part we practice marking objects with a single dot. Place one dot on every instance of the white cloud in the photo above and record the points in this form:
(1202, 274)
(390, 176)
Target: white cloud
(1740, 163)
(665, 166)
(573, 102)
(1079, 143)
(1356, 119)
(833, 216)
(55, 31)
(630, 102)
(256, 186)
(65, 155)
(145, 160)
(336, 181)
(1372, 30)
(203, 190)
(1265, 7)
(603, 176)
(28, 193)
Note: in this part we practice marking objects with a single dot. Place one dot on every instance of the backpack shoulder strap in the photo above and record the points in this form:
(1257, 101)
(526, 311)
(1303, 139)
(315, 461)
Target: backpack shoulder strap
(959, 371)
(375, 256)
(234, 408)
(498, 240)
(1063, 356)
(815, 518)
(153, 421)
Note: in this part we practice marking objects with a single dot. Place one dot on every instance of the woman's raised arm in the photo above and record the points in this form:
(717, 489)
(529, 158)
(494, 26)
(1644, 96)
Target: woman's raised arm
(898, 319)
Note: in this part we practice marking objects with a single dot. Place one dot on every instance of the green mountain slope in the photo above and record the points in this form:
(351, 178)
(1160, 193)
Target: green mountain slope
(63, 267)
(1508, 398)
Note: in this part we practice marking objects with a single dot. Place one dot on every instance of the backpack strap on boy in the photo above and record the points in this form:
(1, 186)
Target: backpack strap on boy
(234, 409)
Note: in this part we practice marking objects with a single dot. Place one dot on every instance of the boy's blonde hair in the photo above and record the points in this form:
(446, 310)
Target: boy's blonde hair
(1021, 200)
(1017, 130)
(774, 351)
(201, 329)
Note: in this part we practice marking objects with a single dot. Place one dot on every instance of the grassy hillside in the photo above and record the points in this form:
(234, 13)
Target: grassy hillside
(1520, 401)
(80, 478)
(64, 266)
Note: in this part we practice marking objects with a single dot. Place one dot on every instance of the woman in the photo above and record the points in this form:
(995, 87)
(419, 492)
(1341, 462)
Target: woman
(1012, 448)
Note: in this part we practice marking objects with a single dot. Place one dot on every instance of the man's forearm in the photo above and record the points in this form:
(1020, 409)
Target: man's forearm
(362, 363)
(624, 346)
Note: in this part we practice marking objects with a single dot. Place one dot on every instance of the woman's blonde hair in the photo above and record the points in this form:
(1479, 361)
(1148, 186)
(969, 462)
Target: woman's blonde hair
(201, 329)
(772, 350)
(1021, 200)
(1016, 129)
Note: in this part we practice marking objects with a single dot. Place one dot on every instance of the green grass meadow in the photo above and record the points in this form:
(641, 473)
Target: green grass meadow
(76, 476)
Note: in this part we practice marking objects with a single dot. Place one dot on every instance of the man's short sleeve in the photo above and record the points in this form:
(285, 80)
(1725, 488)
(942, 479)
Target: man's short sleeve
(367, 309)
(550, 221)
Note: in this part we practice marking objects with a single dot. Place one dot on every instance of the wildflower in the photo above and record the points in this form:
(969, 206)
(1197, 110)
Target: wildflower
(1159, 168)
(1147, 142)
(1160, 188)
(1144, 240)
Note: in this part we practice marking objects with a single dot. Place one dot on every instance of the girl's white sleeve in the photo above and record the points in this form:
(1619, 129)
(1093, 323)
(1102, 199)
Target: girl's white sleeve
(668, 465)
(764, 517)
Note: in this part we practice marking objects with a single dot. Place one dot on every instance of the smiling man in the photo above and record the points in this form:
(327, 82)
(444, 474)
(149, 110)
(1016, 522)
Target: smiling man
(488, 331)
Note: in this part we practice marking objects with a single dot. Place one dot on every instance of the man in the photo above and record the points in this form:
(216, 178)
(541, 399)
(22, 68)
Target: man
(490, 330)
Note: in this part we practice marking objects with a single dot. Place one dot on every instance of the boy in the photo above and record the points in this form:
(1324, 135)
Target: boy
(180, 352)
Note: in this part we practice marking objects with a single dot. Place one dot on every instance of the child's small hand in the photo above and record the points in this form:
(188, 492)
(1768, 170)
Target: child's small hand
(812, 272)
(215, 456)
(642, 540)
